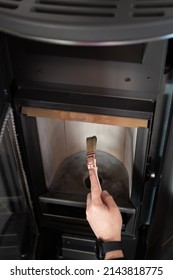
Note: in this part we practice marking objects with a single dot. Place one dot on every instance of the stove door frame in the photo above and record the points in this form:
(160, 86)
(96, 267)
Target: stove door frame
(160, 235)
(17, 217)
(26, 96)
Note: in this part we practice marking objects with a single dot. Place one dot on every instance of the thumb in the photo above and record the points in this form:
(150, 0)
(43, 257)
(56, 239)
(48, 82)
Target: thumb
(108, 199)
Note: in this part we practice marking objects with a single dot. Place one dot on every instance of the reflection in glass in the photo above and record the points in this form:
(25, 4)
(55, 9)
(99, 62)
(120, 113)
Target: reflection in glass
(14, 196)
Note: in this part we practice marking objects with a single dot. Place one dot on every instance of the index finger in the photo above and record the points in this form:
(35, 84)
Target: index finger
(96, 189)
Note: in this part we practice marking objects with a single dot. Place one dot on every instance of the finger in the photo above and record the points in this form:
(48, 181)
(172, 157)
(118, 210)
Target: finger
(108, 200)
(95, 185)
(88, 201)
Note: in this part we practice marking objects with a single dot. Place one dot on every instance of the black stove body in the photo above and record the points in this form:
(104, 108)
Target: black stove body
(61, 80)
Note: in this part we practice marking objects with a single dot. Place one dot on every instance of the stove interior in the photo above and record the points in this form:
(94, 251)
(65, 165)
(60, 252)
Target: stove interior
(63, 150)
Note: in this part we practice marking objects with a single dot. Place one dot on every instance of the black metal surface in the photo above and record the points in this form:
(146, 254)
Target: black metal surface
(160, 245)
(2, 101)
(45, 66)
(139, 176)
(33, 160)
(67, 100)
(4, 108)
(140, 163)
(88, 22)
(75, 247)
(48, 245)
(129, 53)
(12, 235)
(3, 84)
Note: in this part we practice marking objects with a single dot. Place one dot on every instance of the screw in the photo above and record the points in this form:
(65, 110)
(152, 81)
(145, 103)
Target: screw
(127, 79)
(23, 256)
(153, 175)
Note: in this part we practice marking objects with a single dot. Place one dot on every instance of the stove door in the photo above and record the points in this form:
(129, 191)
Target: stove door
(17, 224)
(160, 242)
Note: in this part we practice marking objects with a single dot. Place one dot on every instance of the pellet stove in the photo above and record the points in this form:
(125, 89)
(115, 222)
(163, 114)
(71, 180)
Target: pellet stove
(70, 70)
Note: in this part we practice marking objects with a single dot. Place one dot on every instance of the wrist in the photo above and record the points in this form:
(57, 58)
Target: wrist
(110, 239)
(114, 255)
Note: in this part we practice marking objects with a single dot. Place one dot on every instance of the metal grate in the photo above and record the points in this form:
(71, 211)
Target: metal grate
(9, 4)
(115, 9)
(88, 21)
(150, 8)
(75, 8)
(78, 3)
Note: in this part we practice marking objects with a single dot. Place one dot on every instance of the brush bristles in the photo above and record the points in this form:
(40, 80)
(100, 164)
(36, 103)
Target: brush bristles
(91, 145)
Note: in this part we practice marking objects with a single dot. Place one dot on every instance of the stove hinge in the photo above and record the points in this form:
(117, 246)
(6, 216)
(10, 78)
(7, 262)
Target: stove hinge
(148, 195)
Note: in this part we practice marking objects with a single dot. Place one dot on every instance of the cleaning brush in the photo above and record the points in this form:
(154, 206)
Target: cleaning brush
(91, 164)
(91, 152)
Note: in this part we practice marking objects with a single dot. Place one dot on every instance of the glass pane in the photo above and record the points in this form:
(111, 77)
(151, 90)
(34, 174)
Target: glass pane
(15, 207)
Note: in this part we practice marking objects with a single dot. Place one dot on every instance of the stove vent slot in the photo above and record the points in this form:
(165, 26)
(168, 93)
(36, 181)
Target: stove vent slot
(90, 8)
(9, 4)
(150, 8)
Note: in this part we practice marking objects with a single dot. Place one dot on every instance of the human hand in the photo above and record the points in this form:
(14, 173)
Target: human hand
(103, 214)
